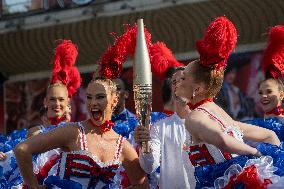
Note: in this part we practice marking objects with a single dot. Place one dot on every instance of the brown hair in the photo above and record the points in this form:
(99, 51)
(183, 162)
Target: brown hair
(212, 78)
(278, 82)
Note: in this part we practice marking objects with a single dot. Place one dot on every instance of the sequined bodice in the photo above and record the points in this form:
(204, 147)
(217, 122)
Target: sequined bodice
(201, 154)
(85, 168)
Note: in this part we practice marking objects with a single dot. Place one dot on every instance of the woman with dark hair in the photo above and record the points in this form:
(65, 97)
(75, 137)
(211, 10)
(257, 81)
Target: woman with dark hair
(216, 139)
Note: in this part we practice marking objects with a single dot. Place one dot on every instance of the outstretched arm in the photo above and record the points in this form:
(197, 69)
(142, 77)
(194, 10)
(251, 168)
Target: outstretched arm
(258, 134)
(57, 138)
(132, 167)
(207, 130)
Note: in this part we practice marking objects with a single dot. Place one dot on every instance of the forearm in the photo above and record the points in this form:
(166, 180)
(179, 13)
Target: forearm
(231, 145)
(149, 162)
(258, 134)
(24, 161)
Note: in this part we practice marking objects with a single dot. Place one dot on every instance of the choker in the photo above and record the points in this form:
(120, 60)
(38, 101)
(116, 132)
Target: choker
(168, 112)
(56, 120)
(193, 106)
(276, 111)
(106, 126)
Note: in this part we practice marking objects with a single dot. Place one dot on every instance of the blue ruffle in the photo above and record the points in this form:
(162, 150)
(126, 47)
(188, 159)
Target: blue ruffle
(124, 128)
(12, 177)
(157, 116)
(276, 153)
(273, 124)
(206, 175)
(61, 183)
(10, 141)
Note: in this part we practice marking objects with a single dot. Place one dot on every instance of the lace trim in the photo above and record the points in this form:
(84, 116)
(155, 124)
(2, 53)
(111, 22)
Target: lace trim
(83, 138)
(119, 147)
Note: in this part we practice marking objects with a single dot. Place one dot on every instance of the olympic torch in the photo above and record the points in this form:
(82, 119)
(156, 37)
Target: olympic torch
(142, 84)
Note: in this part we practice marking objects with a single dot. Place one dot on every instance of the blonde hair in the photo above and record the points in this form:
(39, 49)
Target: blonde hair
(57, 84)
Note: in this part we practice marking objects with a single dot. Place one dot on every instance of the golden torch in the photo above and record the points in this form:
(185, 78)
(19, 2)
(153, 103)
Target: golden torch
(142, 84)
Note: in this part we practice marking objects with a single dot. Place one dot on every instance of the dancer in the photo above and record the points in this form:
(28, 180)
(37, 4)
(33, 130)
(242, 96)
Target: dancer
(216, 139)
(92, 151)
(56, 111)
(166, 138)
(271, 90)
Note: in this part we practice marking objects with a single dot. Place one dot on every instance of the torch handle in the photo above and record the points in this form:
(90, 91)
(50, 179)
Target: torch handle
(145, 147)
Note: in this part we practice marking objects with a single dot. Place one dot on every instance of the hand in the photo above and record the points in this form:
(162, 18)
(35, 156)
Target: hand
(141, 134)
(3, 156)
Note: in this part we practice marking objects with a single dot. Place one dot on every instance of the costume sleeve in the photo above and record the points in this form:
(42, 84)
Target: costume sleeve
(151, 161)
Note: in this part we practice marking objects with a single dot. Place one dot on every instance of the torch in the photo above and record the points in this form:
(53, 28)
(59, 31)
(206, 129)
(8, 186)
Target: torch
(142, 84)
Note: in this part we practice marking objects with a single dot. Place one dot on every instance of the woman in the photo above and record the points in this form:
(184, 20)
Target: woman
(92, 151)
(215, 136)
(56, 111)
(271, 90)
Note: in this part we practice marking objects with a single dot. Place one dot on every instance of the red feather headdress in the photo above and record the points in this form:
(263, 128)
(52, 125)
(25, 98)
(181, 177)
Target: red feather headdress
(161, 58)
(111, 61)
(273, 56)
(64, 70)
(219, 40)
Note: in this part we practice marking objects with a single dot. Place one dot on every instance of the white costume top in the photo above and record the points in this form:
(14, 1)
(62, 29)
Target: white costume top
(167, 139)
(201, 154)
(86, 169)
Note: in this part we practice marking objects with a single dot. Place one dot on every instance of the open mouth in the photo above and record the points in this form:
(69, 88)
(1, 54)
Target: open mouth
(96, 113)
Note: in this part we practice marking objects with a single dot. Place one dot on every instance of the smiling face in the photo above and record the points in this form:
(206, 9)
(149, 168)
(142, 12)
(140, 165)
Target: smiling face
(56, 101)
(270, 95)
(101, 101)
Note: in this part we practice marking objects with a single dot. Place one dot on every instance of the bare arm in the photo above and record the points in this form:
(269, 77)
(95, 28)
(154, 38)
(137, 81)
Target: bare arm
(207, 130)
(38, 144)
(132, 167)
(258, 134)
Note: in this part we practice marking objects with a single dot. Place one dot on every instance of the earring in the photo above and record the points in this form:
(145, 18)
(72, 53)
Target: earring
(193, 95)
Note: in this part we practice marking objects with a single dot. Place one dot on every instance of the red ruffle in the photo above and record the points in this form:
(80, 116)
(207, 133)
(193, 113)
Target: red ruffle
(219, 40)
(249, 178)
(273, 57)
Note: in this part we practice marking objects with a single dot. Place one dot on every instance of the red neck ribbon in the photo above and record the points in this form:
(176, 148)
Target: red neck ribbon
(106, 126)
(193, 106)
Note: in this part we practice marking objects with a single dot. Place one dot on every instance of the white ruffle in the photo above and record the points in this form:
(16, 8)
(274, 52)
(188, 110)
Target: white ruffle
(43, 158)
(264, 167)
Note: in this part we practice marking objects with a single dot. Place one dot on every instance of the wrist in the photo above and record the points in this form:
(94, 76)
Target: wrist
(257, 153)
